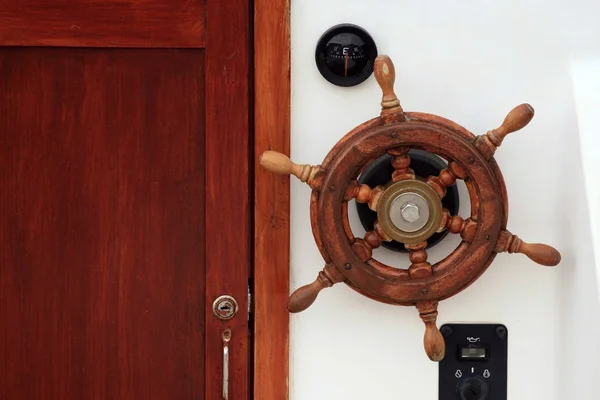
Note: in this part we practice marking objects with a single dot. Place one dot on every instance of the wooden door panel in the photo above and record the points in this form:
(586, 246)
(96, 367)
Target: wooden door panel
(103, 23)
(102, 229)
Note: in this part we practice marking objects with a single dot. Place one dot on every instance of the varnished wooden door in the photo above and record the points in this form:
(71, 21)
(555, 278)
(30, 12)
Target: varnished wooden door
(124, 206)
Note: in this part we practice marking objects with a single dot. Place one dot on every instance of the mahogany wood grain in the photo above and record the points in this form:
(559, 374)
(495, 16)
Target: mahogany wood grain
(103, 23)
(271, 199)
(102, 224)
(161, 90)
(228, 193)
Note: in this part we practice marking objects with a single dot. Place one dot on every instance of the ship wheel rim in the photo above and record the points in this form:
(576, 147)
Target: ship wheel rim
(452, 274)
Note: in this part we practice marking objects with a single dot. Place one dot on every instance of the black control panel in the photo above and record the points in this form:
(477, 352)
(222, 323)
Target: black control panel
(475, 366)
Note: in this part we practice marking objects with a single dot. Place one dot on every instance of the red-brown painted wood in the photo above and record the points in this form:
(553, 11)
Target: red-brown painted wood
(228, 193)
(218, 204)
(103, 23)
(102, 224)
(271, 199)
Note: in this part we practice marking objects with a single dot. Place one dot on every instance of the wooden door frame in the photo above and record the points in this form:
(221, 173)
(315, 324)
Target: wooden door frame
(272, 92)
(271, 193)
(223, 30)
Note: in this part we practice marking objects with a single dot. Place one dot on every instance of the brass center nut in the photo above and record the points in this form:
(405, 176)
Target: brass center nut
(409, 211)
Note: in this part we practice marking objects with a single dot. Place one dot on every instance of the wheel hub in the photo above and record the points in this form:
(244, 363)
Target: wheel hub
(424, 164)
(409, 211)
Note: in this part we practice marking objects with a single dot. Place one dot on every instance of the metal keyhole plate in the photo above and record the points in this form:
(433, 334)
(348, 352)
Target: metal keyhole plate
(225, 307)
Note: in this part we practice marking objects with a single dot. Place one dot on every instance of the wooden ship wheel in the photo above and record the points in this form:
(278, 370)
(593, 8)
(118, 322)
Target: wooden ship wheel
(409, 208)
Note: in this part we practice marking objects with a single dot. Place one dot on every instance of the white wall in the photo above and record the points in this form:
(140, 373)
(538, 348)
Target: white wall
(469, 61)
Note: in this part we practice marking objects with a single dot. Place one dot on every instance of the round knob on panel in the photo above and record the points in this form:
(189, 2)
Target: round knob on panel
(473, 389)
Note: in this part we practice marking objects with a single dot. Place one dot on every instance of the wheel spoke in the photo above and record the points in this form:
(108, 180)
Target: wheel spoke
(364, 194)
(419, 268)
(401, 164)
(446, 178)
(456, 224)
(363, 248)
(377, 236)
(373, 240)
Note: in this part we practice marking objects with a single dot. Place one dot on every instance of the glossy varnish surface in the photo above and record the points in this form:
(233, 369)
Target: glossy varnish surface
(102, 223)
(271, 200)
(103, 23)
(227, 190)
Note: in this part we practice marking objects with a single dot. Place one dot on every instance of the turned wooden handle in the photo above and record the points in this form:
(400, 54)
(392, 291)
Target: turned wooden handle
(537, 252)
(278, 163)
(540, 253)
(303, 297)
(385, 73)
(281, 164)
(516, 119)
(435, 346)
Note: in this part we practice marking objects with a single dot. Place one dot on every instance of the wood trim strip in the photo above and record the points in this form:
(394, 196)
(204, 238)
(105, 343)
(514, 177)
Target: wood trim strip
(228, 191)
(272, 197)
(103, 23)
